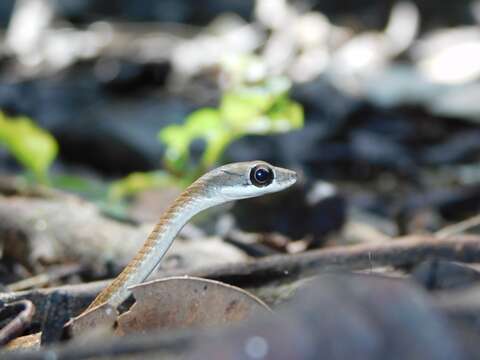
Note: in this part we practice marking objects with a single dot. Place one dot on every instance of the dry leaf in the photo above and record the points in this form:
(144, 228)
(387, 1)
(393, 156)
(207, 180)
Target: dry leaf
(183, 302)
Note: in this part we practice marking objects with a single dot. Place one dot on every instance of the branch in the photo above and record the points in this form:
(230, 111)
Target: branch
(397, 253)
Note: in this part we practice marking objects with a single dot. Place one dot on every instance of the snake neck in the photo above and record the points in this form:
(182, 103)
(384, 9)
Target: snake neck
(188, 204)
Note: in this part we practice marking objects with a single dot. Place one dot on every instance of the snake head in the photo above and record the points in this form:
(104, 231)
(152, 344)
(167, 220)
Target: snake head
(245, 180)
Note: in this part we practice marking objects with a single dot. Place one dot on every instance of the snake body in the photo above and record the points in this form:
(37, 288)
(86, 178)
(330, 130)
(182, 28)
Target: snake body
(229, 182)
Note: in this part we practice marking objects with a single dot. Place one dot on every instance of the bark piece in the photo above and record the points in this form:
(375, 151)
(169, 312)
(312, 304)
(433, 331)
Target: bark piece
(57, 313)
(36, 231)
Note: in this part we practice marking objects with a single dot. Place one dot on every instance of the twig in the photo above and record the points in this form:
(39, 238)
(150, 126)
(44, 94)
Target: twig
(20, 322)
(40, 280)
(458, 228)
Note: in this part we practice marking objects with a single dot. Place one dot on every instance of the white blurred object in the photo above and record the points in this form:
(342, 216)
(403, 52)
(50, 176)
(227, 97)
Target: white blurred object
(38, 45)
(402, 27)
(65, 46)
(273, 14)
(370, 51)
(25, 34)
(280, 51)
(313, 34)
(297, 45)
(228, 35)
(312, 30)
(282, 46)
(450, 56)
(320, 191)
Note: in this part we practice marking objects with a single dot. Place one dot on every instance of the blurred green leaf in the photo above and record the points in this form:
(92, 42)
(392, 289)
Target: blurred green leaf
(286, 115)
(262, 108)
(216, 145)
(32, 146)
(202, 124)
(241, 107)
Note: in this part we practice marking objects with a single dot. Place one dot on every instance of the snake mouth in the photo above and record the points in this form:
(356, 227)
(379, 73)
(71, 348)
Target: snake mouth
(291, 177)
(286, 178)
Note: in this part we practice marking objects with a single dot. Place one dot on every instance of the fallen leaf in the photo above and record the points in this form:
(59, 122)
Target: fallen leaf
(184, 302)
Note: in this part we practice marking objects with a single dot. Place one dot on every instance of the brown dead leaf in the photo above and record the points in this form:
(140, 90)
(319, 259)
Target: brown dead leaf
(99, 320)
(183, 302)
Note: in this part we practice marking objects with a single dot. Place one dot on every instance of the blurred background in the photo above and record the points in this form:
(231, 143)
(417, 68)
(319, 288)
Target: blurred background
(375, 103)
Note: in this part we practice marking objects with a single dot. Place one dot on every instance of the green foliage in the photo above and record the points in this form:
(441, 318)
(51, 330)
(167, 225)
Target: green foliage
(263, 108)
(32, 146)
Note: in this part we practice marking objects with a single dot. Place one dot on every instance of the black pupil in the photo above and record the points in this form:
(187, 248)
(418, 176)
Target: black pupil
(261, 176)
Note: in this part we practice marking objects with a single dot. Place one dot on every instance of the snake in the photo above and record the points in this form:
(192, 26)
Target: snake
(235, 181)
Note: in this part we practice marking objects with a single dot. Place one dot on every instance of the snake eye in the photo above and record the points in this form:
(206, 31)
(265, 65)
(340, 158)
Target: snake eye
(261, 176)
